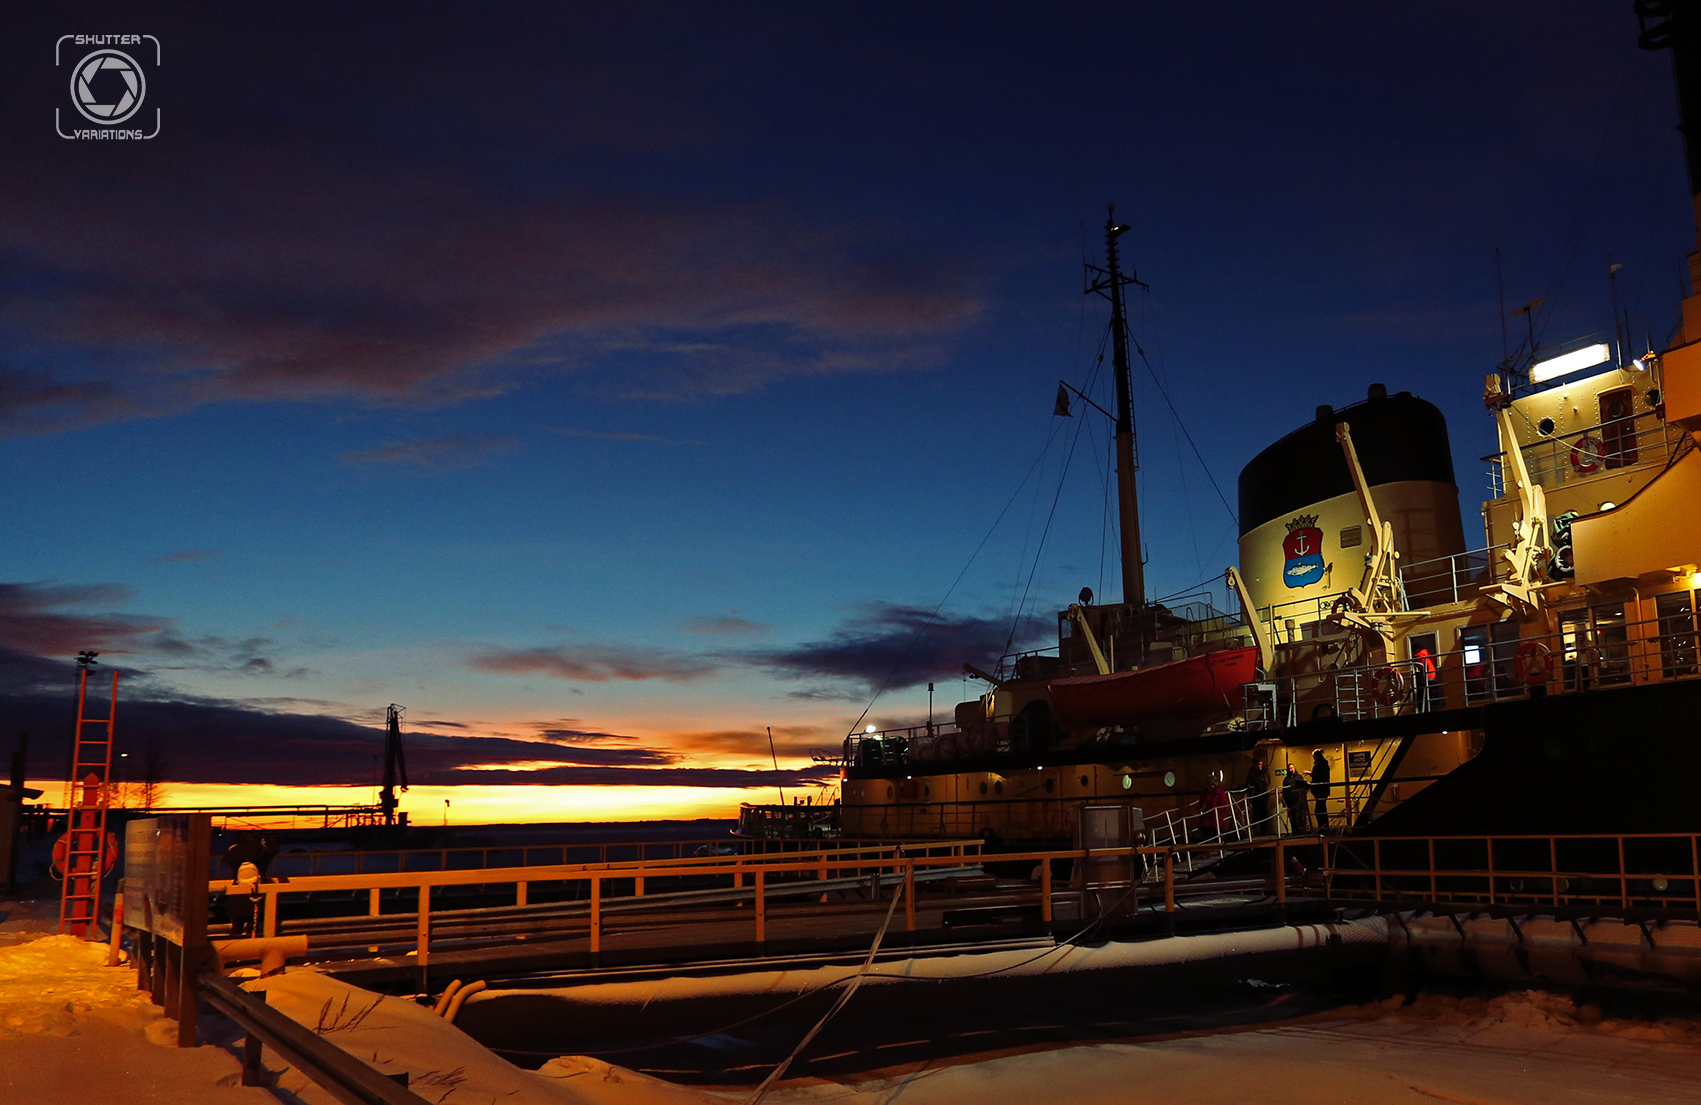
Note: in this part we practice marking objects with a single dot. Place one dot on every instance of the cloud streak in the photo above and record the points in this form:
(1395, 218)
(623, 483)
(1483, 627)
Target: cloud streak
(593, 663)
(437, 454)
(33, 619)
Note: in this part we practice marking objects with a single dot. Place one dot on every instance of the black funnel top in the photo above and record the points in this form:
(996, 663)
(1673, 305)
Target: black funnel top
(1400, 437)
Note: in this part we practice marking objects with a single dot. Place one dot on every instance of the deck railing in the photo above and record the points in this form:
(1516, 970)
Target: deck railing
(1601, 871)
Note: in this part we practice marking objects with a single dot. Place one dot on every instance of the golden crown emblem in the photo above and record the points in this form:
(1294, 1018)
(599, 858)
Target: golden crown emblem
(1304, 521)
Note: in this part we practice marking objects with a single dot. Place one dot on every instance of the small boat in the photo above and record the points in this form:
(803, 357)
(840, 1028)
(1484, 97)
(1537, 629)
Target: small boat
(1194, 687)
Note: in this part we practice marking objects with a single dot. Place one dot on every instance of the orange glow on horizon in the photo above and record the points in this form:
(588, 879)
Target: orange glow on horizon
(474, 805)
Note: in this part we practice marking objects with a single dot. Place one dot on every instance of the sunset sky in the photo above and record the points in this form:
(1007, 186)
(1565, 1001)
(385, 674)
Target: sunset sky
(608, 383)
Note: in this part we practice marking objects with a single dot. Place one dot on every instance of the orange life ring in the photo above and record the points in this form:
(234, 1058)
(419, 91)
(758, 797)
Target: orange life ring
(1588, 455)
(1390, 684)
(62, 853)
(1535, 662)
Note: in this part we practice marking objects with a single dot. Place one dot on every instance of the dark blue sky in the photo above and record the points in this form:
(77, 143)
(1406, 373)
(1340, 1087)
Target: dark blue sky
(654, 370)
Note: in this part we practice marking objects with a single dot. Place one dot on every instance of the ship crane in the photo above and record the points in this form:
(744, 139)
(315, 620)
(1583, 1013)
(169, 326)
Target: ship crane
(395, 764)
(1378, 603)
(1529, 555)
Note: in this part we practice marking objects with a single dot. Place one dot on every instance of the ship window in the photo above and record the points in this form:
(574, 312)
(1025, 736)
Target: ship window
(926, 791)
(888, 792)
(1050, 785)
(998, 787)
(1545, 427)
(1678, 652)
(983, 786)
(1618, 427)
(1127, 781)
(1169, 778)
(1085, 781)
(1488, 650)
(1352, 536)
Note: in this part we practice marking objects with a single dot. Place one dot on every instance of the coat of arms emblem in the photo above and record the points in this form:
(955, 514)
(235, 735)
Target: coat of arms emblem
(1304, 551)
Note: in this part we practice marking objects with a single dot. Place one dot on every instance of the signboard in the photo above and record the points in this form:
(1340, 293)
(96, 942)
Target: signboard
(1358, 762)
(165, 876)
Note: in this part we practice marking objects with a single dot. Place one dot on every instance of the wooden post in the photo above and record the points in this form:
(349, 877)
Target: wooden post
(909, 894)
(1281, 873)
(117, 925)
(1553, 867)
(1045, 890)
(144, 962)
(271, 913)
(520, 893)
(637, 886)
(372, 902)
(1376, 862)
(596, 916)
(1695, 870)
(422, 937)
(1623, 879)
(1432, 889)
(1490, 842)
(168, 969)
(1169, 881)
(196, 951)
(761, 909)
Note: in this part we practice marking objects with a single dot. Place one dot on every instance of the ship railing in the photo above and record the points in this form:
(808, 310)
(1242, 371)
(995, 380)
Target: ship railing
(1620, 444)
(1594, 649)
(1450, 579)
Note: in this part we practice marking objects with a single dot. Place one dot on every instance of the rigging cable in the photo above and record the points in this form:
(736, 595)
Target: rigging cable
(1150, 371)
(1040, 548)
(931, 618)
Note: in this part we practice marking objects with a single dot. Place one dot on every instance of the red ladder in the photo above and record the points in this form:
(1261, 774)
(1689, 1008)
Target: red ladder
(85, 854)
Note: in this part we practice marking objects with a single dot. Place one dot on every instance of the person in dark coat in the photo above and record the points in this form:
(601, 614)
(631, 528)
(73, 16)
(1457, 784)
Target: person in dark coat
(1293, 797)
(1320, 786)
(1258, 798)
(248, 860)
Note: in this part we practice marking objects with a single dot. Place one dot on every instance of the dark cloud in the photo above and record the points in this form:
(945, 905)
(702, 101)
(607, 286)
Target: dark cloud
(438, 453)
(288, 246)
(187, 556)
(33, 619)
(725, 627)
(218, 741)
(893, 647)
(558, 735)
(593, 663)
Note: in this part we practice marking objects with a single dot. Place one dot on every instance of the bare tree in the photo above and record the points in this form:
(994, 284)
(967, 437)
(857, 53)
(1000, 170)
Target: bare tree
(150, 789)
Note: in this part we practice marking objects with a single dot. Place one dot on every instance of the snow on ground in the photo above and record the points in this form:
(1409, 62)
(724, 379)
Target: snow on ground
(443, 1063)
(1523, 1049)
(73, 1028)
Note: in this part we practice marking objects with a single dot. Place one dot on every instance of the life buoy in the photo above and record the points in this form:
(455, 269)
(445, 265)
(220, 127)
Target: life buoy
(62, 853)
(1588, 455)
(1344, 604)
(1390, 685)
(1535, 662)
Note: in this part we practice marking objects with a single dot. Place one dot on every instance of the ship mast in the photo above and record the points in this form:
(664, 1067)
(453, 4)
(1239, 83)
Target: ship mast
(1109, 283)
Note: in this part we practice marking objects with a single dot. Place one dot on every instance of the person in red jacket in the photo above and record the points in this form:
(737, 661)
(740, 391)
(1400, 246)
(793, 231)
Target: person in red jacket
(1213, 810)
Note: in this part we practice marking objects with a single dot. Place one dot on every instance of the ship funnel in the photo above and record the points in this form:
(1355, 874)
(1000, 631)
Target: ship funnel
(1378, 391)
